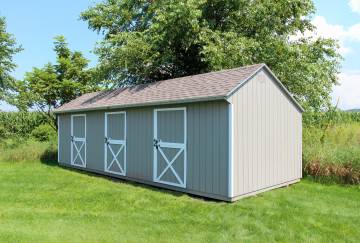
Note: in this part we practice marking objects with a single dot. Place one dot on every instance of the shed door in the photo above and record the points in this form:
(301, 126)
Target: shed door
(115, 142)
(78, 140)
(170, 146)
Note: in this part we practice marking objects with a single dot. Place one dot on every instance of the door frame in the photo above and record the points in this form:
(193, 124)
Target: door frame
(123, 142)
(83, 139)
(170, 144)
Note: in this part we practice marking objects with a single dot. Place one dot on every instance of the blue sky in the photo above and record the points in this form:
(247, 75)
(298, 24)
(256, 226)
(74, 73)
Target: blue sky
(340, 19)
(339, 13)
(35, 23)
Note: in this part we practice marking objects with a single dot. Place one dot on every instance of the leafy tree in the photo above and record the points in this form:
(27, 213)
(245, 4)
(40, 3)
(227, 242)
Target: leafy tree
(146, 41)
(8, 48)
(49, 87)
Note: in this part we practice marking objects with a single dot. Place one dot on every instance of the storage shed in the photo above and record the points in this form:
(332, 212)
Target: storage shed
(223, 135)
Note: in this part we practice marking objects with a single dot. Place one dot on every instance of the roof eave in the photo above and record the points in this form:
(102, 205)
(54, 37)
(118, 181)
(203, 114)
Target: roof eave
(172, 102)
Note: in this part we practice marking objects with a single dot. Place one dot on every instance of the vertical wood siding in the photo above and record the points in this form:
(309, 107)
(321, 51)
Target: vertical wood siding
(207, 149)
(116, 125)
(64, 139)
(267, 136)
(207, 144)
(95, 133)
(140, 143)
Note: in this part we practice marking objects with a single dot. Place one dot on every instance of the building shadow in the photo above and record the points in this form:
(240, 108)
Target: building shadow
(49, 158)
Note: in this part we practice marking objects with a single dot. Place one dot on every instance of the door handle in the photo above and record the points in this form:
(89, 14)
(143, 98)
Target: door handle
(157, 143)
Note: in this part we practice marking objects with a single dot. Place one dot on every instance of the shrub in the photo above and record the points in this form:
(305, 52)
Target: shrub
(19, 124)
(43, 133)
(341, 173)
(50, 154)
(13, 150)
(318, 119)
(337, 157)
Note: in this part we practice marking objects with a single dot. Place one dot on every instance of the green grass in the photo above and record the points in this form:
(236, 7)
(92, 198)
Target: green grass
(44, 202)
(40, 201)
(341, 145)
(27, 150)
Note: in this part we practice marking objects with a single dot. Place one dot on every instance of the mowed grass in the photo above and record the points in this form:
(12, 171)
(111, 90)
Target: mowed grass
(44, 202)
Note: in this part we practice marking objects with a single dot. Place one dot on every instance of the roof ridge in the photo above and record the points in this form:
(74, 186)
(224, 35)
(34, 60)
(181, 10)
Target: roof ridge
(199, 87)
(219, 71)
(188, 76)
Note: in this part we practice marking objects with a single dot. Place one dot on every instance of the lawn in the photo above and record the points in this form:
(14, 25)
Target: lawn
(40, 201)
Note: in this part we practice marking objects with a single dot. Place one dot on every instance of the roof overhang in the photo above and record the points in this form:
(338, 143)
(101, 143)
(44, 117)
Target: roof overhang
(191, 100)
(112, 107)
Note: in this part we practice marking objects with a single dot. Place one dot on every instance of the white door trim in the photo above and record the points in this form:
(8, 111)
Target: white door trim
(231, 150)
(78, 139)
(109, 141)
(168, 144)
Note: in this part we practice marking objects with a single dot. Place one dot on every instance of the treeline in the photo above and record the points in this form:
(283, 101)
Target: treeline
(25, 124)
(148, 41)
(319, 119)
(22, 125)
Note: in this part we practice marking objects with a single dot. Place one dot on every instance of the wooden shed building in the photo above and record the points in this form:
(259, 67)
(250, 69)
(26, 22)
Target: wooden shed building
(223, 135)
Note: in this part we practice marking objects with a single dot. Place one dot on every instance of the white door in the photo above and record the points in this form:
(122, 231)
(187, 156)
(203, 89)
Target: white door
(78, 140)
(115, 142)
(170, 146)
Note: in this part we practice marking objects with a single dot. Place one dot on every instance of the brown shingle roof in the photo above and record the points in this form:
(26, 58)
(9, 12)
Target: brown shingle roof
(207, 86)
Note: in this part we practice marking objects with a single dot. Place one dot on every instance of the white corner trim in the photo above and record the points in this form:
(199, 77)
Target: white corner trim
(231, 151)
(154, 149)
(58, 147)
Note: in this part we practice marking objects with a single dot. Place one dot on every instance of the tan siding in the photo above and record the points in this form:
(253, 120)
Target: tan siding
(267, 136)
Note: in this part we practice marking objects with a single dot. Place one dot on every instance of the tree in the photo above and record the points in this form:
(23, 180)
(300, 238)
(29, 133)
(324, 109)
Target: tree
(146, 41)
(51, 86)
(8, 48)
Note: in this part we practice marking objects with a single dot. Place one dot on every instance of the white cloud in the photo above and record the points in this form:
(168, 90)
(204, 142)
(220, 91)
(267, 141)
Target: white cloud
(324, 29)
(354, 32)
(344, 35)
(338, 32)
(348, 92)
(355, 5)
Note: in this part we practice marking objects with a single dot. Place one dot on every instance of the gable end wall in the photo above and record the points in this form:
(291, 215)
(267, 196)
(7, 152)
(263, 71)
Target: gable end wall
(267, 136)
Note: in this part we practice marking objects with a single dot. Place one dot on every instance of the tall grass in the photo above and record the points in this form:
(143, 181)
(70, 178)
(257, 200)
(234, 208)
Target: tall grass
(337, 157)
(341, 144)
(318, 119)
(15, 150)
